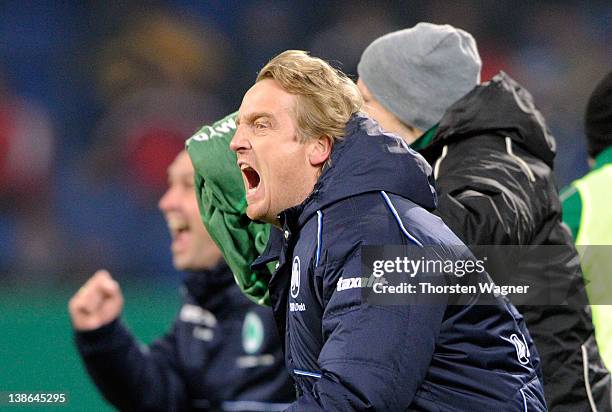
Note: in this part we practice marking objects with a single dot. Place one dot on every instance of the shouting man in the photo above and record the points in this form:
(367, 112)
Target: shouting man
(333, 182)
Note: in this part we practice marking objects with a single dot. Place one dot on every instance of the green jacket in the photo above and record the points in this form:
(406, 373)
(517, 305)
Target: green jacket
(221, 198)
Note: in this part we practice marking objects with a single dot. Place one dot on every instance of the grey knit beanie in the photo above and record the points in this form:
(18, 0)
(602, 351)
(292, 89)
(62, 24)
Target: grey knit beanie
(420, 72)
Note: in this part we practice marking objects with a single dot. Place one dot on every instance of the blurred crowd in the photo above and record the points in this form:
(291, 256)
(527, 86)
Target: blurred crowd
(97, 98)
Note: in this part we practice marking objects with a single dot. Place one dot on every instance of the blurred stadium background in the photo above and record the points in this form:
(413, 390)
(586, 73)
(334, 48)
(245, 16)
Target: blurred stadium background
(96, 98)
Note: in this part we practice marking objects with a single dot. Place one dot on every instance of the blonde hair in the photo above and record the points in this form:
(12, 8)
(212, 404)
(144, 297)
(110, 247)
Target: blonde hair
(326, 97)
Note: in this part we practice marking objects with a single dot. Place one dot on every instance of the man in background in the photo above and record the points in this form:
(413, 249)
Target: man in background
(586, 211)
(493, 158)
(222, 353)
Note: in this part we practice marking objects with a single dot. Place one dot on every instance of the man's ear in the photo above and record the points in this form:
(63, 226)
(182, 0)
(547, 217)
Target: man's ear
(320, 150)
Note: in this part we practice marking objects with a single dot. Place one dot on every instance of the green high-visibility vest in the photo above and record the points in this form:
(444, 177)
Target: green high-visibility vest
(593, 243)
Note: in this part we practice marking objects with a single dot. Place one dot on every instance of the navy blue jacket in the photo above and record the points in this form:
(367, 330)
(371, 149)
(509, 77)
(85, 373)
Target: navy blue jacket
(348, 355)
(223, 353)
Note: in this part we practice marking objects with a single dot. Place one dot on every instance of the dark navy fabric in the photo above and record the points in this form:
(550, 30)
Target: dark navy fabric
(204, 363)
(346, 355)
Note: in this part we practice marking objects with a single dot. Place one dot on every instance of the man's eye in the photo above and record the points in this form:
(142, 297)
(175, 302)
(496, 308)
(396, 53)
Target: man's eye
(261, 125)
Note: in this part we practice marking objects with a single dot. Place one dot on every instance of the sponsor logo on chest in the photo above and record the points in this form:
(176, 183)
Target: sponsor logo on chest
(296, 277)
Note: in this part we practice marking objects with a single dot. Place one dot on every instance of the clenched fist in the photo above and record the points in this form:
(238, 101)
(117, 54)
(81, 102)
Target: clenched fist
(97, 303)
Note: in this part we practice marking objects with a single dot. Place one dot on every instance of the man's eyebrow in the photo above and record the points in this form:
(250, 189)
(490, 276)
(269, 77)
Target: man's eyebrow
(255, 115)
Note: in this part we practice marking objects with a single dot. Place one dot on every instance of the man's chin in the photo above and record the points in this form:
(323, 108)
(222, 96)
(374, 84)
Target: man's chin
(254, 213)
(179, 265)
(257, 216)
(183, 260)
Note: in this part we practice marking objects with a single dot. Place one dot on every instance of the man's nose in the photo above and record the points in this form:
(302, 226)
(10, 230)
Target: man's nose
(168, 201)
(239, 141)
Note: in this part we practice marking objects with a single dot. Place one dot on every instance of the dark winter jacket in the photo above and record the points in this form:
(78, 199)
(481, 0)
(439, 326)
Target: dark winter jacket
(349, 355)
(223, 353)
(493, 159)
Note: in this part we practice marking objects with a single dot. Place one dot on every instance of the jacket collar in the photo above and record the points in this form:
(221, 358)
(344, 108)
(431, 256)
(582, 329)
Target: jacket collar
(425, 139)
(272, 250)
(209, 287)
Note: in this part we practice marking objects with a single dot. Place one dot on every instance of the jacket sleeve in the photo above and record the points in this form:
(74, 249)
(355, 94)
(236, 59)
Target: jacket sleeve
(484, 194)
(369, 351)
(130, 376)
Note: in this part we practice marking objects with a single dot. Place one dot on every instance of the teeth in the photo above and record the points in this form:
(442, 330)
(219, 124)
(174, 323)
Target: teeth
(244, 166)
(253, 189)
(176, 224)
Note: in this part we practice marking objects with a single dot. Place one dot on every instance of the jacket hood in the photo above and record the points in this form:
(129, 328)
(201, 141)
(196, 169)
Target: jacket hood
(365, 160)
(500, 106)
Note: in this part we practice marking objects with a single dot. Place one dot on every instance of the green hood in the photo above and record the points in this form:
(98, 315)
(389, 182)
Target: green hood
(221, 198)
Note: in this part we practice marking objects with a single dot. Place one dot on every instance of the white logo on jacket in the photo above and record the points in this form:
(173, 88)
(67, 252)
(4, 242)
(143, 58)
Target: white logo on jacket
(522, 350)
(348, 283)
(295, 277)
(198, 315)
(252, 333)
(204, 321)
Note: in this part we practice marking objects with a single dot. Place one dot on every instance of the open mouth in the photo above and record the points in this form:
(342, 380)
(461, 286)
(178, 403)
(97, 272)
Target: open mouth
(177, 227)
(180, 232)
(251, 179)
